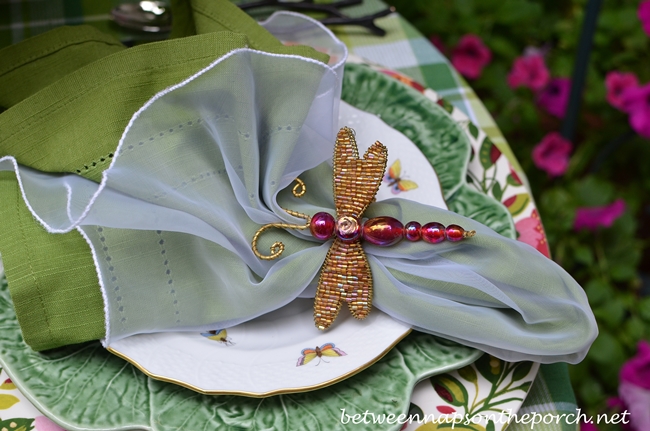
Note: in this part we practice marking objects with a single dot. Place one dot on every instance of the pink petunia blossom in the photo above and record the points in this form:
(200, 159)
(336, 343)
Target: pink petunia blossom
(470, 56)
(636, 102)
(592, 218)
(552, 154)
(644, 15)
(554, 98)
(637, 369)
(529, 71)
(636, 400)
(616, 83)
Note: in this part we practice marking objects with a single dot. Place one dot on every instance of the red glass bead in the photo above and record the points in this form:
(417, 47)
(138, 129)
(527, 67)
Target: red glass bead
(322, 226)
(413, 231)
(348, 228)
(433, 232)
(454, 232)
(383, 231)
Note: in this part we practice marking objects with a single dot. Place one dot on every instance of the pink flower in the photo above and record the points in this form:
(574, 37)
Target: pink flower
(636, 400)
(44, 424)
(552, 154)
(532, 233)
(593, 217)
(470, 56)
(644, 15)
(636, 102)
(616, 83)
(637, 369)
(529, 71)
(555, 96)
(438, 43)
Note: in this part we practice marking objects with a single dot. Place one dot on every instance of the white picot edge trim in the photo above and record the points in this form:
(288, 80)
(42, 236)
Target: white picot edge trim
(107, 322)
(327, 31)
(102, 184)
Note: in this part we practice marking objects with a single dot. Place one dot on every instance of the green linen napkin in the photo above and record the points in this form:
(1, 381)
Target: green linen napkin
(52, 278)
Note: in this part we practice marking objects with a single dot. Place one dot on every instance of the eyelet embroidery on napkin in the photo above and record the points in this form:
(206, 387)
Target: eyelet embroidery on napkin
(95, 163)
(168, 273)
(161, 134)
(112, 275)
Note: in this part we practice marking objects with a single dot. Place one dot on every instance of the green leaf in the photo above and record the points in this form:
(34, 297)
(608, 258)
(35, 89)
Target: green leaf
(7, 401)
(450, 389)
(490, 368)
(516, 11)
(415, 413)
(591, 391)
(468, 373)
(598, 291)
(485, 153)
(517, 203)
(473, 130)
(623, 271)
(521, 370)
(490, 426)
(482, 208)
(523, 387)
(512, 181)
(496, 191)
(644, 309)
(593, 191)
(584, 254)
(503, 47)
(607, 350)
(557, 207)
(562, 63)
(17, 424)
(611, 312)
(635, 328)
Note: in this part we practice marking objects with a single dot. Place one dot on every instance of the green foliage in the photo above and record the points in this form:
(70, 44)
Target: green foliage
(609, 161)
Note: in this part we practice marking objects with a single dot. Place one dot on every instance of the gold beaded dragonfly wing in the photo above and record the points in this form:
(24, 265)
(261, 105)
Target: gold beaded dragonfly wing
(346, 276)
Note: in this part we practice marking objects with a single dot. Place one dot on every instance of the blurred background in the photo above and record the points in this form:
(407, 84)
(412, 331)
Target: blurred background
(588, 165)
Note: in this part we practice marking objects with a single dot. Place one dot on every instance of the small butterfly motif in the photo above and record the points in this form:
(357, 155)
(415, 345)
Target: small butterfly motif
(395, 182)
(219, 335)
(327, 349)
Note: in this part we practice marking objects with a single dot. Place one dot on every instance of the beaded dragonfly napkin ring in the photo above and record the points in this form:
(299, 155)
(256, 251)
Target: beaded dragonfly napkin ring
(345, 275)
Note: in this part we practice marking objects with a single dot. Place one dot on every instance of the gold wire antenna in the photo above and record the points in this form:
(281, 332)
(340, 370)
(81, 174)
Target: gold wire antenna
(278, 247)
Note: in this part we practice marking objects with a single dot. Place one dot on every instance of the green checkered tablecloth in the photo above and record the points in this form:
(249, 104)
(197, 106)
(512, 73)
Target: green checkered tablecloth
(403, 49)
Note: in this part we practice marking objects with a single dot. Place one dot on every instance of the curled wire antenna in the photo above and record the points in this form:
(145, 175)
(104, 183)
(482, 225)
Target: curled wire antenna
(277, 248)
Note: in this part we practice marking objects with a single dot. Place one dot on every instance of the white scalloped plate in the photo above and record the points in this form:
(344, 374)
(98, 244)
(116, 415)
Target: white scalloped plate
(267, 356)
